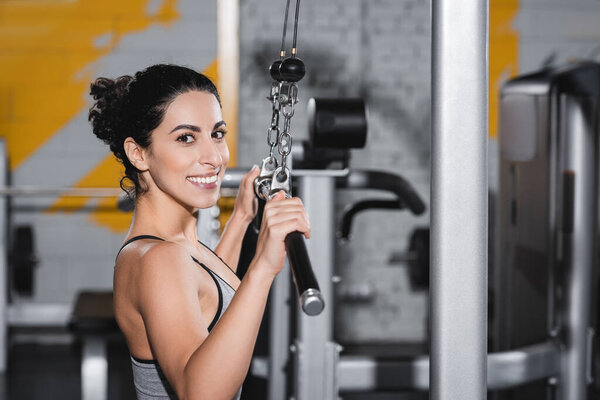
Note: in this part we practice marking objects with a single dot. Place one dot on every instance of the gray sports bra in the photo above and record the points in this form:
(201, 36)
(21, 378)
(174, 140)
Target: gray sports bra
(149, 380)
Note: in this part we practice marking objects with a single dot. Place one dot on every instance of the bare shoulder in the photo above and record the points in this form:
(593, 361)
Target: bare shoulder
(151, 267)
(160, 259)
(164, 254)
(147, 255)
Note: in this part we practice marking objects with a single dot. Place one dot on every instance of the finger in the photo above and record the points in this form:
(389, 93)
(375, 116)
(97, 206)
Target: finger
(295, 219)
(284, 228)
(249, 177)
(253, 173)
(272, 213)
(284, 202)
(279, 196)
(283, 206)
(286, 216)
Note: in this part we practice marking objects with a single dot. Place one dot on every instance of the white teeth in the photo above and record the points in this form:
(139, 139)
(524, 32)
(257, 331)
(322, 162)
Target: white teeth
(197, 179)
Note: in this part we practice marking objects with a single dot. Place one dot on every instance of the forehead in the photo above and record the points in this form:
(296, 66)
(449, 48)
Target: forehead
(193, 107)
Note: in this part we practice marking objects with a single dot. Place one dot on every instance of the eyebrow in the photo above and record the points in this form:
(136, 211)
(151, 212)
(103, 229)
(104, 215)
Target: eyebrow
(195, 128)
(219, 124)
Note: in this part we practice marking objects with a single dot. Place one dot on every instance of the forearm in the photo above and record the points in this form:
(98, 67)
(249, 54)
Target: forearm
(218, 367)
(230, 245)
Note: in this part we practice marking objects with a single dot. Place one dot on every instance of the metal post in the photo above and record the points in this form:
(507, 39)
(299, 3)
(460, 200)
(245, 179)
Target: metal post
(580, 163)
(207, 227)
(459, 200)
(279, 333)
(315, 352)
(94, 368)
(3, 260)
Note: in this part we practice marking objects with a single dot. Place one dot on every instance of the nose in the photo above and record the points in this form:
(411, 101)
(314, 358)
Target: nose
(209, 153)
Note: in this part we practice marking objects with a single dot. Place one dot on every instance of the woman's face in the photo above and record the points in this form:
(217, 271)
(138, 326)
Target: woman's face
(188, 154)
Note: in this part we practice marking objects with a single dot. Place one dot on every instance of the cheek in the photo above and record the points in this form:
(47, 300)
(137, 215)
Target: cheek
(171, 159)
(225, 154)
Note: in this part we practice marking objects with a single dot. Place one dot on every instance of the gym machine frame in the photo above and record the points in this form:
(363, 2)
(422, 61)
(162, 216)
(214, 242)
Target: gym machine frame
(319, 369)
(549, 141)
(460, 366)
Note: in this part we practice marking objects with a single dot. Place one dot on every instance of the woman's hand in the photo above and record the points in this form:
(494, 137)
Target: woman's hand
(281, 217)
(246, 203)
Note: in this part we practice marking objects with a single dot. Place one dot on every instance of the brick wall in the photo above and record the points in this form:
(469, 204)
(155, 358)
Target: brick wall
(380, 50)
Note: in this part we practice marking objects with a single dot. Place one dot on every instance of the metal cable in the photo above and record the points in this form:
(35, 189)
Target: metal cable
(285, 19)
(295, 27)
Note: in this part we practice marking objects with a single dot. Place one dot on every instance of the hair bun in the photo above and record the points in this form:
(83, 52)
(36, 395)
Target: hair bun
(108, 95)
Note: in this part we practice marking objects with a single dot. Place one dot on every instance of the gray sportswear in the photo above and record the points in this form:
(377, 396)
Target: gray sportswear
(149, 380)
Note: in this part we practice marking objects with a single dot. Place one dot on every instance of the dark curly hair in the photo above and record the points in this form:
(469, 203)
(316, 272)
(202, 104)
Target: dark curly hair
(134, 106)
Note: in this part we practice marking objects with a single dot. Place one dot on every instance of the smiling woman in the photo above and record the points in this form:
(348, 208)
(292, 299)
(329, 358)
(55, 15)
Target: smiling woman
(180, 158)
(180, 305)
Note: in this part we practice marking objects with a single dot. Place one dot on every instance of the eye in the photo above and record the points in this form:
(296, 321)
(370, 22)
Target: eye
(186, 138)
(220, 134)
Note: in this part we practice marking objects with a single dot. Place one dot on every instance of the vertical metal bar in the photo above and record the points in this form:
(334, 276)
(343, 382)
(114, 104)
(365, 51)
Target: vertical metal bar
(459, 199)
(279, 333)
(580, 163)
(94, 368)
(207, 227)
(228, 57)
(314, 378)
(3, 261)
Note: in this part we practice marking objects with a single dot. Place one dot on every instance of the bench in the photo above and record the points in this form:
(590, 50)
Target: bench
(93, 320)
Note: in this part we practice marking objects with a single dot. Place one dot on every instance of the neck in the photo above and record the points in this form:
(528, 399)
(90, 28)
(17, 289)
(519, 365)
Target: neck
(163, 216)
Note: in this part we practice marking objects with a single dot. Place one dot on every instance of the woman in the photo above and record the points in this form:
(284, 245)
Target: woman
(190, 324)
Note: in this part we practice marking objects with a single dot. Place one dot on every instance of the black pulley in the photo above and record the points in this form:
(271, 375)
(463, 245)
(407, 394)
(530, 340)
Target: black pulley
(274, 70)
(337, 123)
(291, 69)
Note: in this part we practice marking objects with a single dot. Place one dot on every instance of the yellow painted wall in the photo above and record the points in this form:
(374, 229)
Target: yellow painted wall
(45, 50)
(504, 53)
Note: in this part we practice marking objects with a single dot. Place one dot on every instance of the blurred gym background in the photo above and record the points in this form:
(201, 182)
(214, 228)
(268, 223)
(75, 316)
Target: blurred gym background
(56, 245)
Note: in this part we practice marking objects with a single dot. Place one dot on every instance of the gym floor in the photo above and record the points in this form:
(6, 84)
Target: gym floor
(52, 371)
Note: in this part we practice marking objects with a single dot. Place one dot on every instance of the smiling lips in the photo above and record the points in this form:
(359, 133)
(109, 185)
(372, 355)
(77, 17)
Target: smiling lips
(205, 180)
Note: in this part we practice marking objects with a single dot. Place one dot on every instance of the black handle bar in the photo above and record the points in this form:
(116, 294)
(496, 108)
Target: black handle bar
(307, 286)
(353, 209)
(364, 179)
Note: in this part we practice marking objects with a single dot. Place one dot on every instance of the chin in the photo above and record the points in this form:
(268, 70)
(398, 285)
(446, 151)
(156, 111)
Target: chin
(194, 198)
(205, 202)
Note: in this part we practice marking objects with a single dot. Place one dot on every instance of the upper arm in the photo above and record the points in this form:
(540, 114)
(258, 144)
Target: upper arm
(168, 303)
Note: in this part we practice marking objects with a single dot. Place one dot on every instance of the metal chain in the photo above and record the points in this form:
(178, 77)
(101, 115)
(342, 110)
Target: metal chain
(276, 176)
(274, 129)
(288, 98)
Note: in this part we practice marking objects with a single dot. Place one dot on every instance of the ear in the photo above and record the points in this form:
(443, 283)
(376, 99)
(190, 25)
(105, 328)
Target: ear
(136, 154)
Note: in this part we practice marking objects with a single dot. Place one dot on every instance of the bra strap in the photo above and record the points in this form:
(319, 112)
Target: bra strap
(139, 237)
